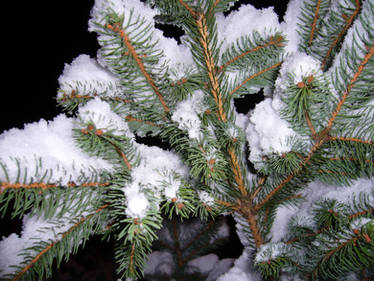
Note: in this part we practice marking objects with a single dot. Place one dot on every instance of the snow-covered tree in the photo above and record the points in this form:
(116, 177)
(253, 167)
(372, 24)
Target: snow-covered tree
(303, 195)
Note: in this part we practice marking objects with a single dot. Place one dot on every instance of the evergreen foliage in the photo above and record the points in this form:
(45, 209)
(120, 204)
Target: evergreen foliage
(126, 191)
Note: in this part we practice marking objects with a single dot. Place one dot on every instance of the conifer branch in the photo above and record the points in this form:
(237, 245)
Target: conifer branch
(285, 181)
(277, 42)
(42, 185)
(130, 118)
(139, 62)
(350, 86)
(210, 65)
(330, 253)
(314, 24)
(74, 96)
(237, 171)
(189, 9)
(254, 76)
(117, 148)
(51, 245)
(310, 125)
(351, 140)
(323, 136)
(339, 37)
(361, 213)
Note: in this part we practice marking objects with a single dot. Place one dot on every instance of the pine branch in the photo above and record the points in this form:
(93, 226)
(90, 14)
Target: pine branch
(43, 257)
(349, 21)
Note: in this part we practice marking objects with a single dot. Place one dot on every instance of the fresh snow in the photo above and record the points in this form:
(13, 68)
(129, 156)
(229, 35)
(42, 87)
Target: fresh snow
(150, 174)
(289, 25)
(248, 17)
(52, 144)
(186, 114)
(86, 77)
(99, 113)
(267, 133)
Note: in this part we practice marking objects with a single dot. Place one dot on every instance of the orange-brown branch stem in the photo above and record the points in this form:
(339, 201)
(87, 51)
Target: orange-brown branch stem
(314, 24)
(210, 65)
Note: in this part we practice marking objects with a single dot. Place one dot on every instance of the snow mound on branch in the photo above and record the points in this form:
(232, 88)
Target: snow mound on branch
(99, 113)
(248, 17)
(297, 66)
(267, 133)
(186, 114)
(87, 77)
(150, 174)
(288, 26)
(53, 144)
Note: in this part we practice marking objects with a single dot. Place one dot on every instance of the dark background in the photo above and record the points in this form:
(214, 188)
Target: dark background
(38, 38)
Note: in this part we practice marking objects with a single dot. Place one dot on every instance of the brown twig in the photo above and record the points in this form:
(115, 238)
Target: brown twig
(315, 19)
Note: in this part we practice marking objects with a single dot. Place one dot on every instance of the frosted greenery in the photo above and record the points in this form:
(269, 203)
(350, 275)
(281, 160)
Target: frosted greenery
(295, 173)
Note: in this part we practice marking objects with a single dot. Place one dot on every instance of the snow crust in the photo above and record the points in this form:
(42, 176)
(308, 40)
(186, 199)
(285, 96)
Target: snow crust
(53, 143)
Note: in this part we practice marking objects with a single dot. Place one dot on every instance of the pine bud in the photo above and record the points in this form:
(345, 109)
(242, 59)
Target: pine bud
(367, 237)
(180, 206)
(99, 132)
(301, 84)
(84, 131)
(174, 199)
